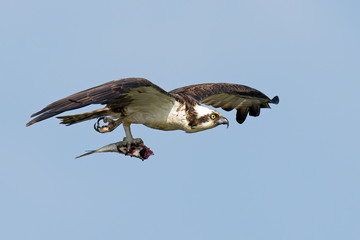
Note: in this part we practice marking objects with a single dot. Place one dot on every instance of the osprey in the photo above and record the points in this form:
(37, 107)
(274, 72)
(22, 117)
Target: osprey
(139, 101)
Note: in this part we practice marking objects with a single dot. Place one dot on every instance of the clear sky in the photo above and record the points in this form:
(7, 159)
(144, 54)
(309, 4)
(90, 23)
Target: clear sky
(292, 173)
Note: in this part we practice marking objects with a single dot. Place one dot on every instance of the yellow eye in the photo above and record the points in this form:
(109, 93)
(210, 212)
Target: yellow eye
(212, 116)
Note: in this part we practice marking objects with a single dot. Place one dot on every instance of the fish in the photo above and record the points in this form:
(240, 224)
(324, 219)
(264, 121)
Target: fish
(136, 150)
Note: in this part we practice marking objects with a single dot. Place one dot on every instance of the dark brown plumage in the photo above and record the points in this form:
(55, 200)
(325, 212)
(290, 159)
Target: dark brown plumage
(113, 93)
(121, 93)
(227, 96)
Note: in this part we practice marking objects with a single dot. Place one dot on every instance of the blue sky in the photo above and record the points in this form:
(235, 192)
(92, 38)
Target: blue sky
(292, 173)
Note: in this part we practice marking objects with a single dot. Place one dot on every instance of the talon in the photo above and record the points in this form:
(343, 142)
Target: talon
(106, 120)
(97, 126)
(129, 142)
(111, 124)
(99, 119)
(100, 129)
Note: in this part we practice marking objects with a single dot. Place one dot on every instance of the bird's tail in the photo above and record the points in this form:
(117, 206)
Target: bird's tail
(72, 119)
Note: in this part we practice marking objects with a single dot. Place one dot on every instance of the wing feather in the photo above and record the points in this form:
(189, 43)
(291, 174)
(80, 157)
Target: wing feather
(115, 94)
(244, 99)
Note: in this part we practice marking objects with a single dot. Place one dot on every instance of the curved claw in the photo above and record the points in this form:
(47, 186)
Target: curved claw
(97, 125)
(109, 124)
(100, 118)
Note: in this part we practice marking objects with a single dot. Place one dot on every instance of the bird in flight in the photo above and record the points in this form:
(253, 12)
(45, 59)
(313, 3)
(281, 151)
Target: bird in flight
(138, 101)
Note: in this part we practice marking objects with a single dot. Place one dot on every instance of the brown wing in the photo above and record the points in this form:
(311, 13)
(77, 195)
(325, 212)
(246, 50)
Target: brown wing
(227, 96)
(114, 94)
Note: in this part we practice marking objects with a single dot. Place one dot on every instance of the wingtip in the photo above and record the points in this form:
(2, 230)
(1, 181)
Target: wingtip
(275, 100)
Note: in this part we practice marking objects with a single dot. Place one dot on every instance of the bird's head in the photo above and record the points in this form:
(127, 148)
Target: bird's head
(202, 118)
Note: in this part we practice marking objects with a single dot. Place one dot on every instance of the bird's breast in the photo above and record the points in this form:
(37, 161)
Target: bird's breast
(160, 117)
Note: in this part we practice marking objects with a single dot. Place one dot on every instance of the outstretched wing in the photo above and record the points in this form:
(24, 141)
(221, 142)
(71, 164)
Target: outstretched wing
(227, 96)
(115, 94)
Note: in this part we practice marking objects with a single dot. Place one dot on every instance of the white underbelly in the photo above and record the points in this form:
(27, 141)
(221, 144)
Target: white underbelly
(159, 118)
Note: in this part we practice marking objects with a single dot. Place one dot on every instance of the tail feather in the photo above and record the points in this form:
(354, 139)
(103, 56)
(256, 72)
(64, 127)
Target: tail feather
(72, 119)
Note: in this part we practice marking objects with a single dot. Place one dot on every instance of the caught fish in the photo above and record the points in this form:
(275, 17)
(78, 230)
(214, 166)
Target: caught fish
(136, 150)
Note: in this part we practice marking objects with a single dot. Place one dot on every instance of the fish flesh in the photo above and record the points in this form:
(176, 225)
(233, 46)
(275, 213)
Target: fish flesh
(136, 150)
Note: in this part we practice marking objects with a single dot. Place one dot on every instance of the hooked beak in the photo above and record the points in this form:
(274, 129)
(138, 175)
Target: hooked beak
(223, 120)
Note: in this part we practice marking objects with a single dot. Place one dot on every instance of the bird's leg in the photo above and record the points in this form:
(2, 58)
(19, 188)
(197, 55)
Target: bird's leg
(110, 126)
(128, 140)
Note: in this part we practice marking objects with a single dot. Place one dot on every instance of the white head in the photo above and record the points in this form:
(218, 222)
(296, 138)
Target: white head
(201, 118)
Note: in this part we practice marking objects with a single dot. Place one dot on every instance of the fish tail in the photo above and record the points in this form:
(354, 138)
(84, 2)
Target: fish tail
(87, 153)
